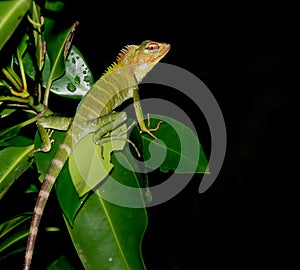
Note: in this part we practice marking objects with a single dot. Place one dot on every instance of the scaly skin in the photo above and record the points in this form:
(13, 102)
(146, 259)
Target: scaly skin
(117, 84)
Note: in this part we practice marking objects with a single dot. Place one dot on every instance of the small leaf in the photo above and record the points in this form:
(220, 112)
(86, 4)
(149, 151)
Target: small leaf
(86, 164)
(77, 79)
(22, 46)
(54, 6)
(61, 263)
(11, 231)
(6, 112)
(58, 46)
(14, 162)
(10, 132)
(11, 240)
(7, 226)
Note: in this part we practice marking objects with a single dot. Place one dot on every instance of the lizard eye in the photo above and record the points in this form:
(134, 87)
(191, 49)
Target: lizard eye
(152, 46)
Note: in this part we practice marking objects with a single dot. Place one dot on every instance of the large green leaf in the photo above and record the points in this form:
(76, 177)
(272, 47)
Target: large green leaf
(14, 161)
(11, 14)
(106, 235)
(177, 148)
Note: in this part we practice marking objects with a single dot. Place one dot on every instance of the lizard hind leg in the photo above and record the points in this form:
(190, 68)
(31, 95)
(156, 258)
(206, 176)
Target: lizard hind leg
(104, 139)
(47, 142)
(103, 133)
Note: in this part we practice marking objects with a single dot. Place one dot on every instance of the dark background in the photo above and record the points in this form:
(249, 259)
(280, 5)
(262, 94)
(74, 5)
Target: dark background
(245, 55)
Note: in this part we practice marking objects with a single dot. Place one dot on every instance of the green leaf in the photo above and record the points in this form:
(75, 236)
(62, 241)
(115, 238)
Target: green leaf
(106, 235)
(11, 231)
(77, 79)
(177, 148)
(54, 9)
(11, 240)
(54, 6)
(57, 51)
(14, 130)
(20, 141)
(61, 263)
(14, 251)
(23, 45)
(6, 112)
(17, 141)
(10, 132)
(87, 166)
(67, 196)
(75, 82)
(14, 161)
(8, 226)
(11, 14)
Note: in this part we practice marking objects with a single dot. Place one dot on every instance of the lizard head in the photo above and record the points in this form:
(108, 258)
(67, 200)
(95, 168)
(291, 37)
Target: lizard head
(147, 55)
(142, 58)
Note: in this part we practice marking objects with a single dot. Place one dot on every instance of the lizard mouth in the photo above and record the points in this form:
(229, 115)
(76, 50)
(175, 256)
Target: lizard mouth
(165, 48)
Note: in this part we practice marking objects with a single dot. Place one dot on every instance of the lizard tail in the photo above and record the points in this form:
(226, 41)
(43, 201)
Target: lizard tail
(49, 180)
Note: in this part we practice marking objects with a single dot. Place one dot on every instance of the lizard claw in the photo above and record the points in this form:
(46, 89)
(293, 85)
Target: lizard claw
(150, 130)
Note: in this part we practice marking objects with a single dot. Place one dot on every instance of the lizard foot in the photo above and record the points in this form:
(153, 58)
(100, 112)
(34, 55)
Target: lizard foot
(46, 146)
(149, 130)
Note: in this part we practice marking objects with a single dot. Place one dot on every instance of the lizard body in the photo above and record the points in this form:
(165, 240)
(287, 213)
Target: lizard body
(95, 113)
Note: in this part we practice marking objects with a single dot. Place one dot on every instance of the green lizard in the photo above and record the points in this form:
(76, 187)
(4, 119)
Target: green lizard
(95, 114)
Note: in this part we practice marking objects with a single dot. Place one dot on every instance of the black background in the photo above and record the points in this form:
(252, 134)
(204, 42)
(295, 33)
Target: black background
(245, 55)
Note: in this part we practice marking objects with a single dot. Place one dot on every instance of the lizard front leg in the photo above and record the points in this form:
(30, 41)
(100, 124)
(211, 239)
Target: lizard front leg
(140, 116)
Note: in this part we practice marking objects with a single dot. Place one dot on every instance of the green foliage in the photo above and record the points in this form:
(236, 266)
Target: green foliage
(105, 235)
(118, 229)
(14, 161)
(178, 148)
(11, 15)
(11, 233)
